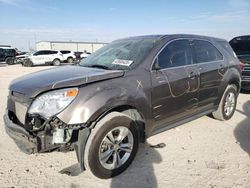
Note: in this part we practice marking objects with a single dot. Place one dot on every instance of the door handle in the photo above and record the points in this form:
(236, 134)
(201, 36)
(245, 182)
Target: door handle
(192, 75)
(222, 67)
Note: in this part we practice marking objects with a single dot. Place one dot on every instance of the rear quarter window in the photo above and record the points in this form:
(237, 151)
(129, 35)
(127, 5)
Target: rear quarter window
(226, 46)
(206, 52)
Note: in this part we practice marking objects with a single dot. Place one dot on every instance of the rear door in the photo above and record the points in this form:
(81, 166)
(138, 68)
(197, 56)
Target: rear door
(175, 84)
(212, 67)
(48, 57)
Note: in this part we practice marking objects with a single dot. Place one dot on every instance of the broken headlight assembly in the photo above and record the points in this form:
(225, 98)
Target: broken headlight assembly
(52, 102)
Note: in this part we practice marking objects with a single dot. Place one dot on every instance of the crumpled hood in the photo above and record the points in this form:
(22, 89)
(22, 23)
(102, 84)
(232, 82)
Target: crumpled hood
(67, 76)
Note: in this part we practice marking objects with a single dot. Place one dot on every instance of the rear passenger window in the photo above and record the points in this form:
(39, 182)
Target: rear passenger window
(177, 53)
(65, 51)
(206, 52)
(51, 52)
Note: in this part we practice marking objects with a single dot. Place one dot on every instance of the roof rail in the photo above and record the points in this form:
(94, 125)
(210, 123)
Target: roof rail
(5, 45)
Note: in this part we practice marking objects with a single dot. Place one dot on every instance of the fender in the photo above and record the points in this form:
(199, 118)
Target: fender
(231, 77)
(97, 99)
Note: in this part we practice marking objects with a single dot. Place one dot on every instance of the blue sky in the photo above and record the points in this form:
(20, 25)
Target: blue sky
(22, 22)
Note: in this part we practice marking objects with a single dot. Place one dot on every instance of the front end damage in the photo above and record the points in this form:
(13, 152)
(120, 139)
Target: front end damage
(35, 134)
(41, 135)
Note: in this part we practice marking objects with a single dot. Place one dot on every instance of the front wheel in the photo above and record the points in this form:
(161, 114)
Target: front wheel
(111, 146)
(28, 63)
(10, 60)
(70, 60)
(227, 104)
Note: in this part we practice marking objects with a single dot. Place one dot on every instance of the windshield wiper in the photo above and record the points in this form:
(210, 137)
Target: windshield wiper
(99, 66)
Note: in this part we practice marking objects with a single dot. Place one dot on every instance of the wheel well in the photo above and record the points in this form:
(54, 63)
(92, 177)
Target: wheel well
(134, 114)
(8, 57)
(57, 59)
(236, 83)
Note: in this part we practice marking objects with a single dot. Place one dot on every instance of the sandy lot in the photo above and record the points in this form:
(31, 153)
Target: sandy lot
(202, 153)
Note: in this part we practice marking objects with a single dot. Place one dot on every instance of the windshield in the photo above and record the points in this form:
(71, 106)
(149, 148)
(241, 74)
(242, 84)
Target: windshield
(241, 46)
(123, 54)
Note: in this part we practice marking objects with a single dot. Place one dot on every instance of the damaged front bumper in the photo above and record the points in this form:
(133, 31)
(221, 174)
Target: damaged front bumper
(23, 139)
(55, 135)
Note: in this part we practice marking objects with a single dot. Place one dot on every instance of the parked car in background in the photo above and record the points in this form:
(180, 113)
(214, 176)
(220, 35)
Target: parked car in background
(44, 57)
(85, 54)
(123, 93)
(68, 56)
(241, 46)
(8, 54)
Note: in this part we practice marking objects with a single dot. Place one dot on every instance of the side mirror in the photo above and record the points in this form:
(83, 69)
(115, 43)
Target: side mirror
(156, 65)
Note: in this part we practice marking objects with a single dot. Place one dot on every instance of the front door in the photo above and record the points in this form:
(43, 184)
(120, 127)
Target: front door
(38, 57)
(175, 84)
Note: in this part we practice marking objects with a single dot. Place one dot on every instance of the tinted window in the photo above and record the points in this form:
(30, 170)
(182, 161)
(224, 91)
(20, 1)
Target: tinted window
(206, 52)
(241, 45)
(39, 53)
(177, 53)
(65, 52)
(50, 52)
(1, 51)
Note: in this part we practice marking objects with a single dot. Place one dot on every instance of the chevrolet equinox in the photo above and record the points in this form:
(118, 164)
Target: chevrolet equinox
(120, 95)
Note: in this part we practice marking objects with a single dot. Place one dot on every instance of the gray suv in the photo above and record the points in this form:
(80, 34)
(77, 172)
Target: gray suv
(122, 94)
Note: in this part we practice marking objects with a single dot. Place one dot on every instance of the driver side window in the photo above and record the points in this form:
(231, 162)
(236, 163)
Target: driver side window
(177, 53)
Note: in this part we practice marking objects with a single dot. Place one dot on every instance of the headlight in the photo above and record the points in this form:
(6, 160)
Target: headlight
(53, 102)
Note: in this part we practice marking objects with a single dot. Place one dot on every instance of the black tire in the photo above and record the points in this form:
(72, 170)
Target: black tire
(28, 63)
(10, 60)
(95, 141)
(221, 113)
(56, 62)
(70, 60)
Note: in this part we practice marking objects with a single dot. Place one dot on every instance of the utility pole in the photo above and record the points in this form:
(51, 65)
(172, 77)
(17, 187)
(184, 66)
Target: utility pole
(35, 39)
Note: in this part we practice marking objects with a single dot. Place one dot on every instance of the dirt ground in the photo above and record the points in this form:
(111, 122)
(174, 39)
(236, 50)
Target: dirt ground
(202, 153)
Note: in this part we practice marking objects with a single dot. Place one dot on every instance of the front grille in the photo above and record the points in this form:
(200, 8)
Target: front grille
(246, 72)
(17, 106)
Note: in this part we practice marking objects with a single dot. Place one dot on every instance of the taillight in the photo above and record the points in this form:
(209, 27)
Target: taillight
(241, 65)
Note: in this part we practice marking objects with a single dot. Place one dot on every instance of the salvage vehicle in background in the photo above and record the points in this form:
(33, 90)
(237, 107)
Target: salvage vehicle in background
(44, 57)
(8, 54)
(241, 46)
(120, 95)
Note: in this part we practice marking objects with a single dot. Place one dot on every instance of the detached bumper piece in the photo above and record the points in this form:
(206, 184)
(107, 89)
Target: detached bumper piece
(24, 140)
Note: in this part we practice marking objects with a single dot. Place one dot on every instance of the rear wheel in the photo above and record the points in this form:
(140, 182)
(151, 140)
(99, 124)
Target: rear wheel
(111, 146)
(227, 104)
(56, 62)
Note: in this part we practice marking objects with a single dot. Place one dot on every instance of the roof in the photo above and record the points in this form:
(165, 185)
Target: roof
(72, 42)
(162, 36)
